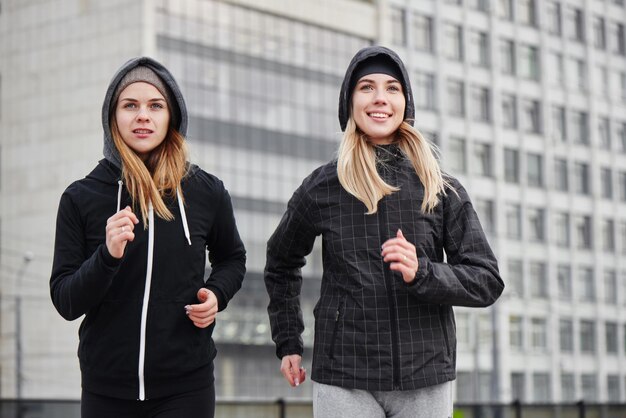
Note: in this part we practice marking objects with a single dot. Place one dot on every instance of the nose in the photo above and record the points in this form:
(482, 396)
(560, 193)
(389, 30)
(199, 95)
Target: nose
(380, 97)
(142, 114)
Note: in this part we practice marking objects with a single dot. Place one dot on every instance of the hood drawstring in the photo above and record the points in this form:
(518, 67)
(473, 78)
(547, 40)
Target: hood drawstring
(183, 216)
(119, 195)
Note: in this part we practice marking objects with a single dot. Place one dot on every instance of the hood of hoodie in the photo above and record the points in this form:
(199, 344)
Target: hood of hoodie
(110, 151)
(345, 102)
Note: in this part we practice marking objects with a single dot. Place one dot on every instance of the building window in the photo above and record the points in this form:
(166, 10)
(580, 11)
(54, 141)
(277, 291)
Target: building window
(610, 330)
(509, 111)
(541, 387)
(561, 229)
(485, 211)
(559, 124)
(539, 334)
(536, 224)
(398, 34)
(511, 165)
(608, 235)
(463, 329)
(505, 9)
(589, 387)
(516, 277)
(553, 10)
(610, 287)
(534, 167)
(606, 182)
(586, 285)
(623, 241)
(531, 116)
(568, 387)
(621, 136)
(425, 91)
(599, 32)
(482, 159)
(577, 74)
(566, 335)
(479, 49)
(423, 32)
(618, 42)
(527, 12)
(538, 280)
(587, 336)
(612, 384)
(481, 5)
(529, 62)
(561, 180)
(556, 69)
(602, 80)
(456, 98)
(604, 133)
(564, 277)
(481, 104)
(575, 24)
(518, 390)
(457, 155)
(583, 232)
(454, 41)
(513, 221)
(507, 56)
(516, 332)
(581, 178)
(622, 185)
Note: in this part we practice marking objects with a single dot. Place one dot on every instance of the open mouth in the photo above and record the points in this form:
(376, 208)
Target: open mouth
(378, 115)
(142, 131)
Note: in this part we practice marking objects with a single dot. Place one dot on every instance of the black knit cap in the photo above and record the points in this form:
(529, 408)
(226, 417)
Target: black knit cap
(378, 64)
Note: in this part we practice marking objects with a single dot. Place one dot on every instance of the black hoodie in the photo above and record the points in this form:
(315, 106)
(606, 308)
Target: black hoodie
(135, 340)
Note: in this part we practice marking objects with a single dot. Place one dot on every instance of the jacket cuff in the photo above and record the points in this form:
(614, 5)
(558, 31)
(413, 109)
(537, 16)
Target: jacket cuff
(221, 300)
(423, 266)
(107, 259)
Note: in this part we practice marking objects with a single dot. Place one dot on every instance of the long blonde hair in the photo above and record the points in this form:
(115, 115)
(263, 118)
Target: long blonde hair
(356, 167)
(159, 177)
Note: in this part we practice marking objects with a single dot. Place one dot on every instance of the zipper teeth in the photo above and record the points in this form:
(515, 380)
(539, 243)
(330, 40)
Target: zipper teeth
(144, 308)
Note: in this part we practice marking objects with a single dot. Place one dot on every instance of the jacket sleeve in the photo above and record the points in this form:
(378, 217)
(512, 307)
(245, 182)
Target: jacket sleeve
(470, 276)
(227, 254)
(79, 281)
(292, 240)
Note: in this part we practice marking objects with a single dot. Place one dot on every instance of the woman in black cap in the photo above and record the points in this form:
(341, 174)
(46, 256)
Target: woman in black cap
(384, 327)
(130, 254)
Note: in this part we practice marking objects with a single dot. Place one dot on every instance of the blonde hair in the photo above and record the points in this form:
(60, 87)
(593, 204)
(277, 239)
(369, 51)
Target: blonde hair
(356, 167)
(159, 177)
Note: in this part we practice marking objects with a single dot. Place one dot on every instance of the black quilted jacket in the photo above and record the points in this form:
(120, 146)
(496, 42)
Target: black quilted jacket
(373, 331)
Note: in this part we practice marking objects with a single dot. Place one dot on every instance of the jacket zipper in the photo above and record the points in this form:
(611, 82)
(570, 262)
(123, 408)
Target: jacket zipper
(393, 316)
(444, 327)
(338, 315)
(144, 307)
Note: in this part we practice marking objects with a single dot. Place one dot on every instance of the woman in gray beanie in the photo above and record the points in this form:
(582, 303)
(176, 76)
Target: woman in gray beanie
(384, 342)
(130, 253)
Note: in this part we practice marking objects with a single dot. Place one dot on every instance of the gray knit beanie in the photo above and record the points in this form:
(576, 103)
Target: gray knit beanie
(147, 75)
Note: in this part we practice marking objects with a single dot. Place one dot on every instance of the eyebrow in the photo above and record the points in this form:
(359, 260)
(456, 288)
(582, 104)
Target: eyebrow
(130, 99)
(369, 80)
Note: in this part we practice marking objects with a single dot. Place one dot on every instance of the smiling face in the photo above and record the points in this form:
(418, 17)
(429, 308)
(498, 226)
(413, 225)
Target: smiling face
(378, 107)
(142, 118)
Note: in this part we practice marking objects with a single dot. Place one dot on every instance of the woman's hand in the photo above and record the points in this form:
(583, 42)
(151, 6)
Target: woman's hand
(203, 314)
(119, 231)
(402, 256)
(291, 370)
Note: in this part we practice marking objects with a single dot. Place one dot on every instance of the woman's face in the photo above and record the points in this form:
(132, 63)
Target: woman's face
(378, 107)
(142, 118)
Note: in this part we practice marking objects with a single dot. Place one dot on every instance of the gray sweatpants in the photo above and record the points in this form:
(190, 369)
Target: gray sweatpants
(336, 402)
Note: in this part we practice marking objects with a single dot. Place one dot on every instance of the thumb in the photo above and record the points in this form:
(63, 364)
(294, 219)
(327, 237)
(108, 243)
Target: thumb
(399, 234)
(203, 294)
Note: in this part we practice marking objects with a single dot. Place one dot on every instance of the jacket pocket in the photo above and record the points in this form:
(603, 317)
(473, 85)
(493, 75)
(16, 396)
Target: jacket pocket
(444, 328)
(338, 318)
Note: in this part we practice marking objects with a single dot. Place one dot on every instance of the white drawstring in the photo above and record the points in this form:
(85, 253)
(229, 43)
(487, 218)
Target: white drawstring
(183, 216)
(119, 195)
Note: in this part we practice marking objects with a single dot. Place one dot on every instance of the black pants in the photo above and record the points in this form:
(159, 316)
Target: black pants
(196, 404)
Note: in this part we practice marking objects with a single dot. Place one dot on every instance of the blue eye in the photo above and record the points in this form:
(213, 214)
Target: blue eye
(157, 106)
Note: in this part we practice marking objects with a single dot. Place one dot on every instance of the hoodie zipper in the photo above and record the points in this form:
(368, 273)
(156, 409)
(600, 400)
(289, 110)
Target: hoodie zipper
(144, 308)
